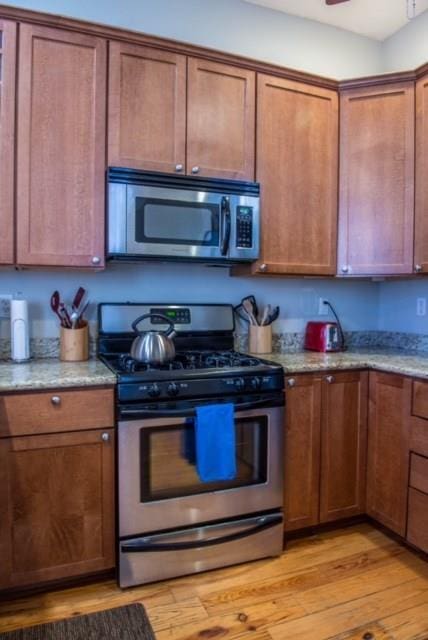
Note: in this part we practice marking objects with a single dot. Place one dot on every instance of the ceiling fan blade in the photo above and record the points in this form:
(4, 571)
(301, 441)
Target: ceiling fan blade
(335, 1)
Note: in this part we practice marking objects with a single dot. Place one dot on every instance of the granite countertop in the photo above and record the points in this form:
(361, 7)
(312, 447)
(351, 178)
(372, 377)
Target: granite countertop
(45, 373)
(409, 363)
(51, 373)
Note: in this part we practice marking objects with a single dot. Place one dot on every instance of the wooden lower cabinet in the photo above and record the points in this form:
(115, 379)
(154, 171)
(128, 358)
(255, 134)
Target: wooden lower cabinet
(343, 445)
(302, 451)
(57, 506)
(325, 448)
(388, 449)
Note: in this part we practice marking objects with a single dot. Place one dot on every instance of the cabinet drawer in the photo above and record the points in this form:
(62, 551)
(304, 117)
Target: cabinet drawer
(55, 411)
(420, 399)
(417, 524)
(419, 473)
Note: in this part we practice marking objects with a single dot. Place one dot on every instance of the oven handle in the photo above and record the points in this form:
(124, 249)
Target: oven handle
(186, 413)
(196, 544)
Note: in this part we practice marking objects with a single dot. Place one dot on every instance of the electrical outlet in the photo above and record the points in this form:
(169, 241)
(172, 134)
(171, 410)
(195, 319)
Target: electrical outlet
(322, 308)
(5, 305)
(421, 306)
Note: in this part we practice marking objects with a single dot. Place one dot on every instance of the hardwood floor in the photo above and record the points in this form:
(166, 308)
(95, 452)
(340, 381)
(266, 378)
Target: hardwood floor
(339, 585)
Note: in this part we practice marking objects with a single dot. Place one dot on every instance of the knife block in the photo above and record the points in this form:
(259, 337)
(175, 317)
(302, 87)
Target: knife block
(74, 344)
(260, 339)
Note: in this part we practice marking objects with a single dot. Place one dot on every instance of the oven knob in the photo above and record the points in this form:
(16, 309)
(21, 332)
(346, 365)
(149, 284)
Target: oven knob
(256, 383)
(173, 389)
(154, 391)
(239, 383)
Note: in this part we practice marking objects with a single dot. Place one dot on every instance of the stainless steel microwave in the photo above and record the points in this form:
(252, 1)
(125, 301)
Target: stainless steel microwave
(160, 216)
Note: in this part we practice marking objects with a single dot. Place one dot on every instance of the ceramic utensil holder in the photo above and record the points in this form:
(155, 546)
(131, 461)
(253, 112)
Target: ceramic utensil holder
(74, 344)
(260, 339)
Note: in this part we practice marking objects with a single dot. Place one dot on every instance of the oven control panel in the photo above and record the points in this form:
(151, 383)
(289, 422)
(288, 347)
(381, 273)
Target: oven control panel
(200, 387)
(180, 315)
(244, 227)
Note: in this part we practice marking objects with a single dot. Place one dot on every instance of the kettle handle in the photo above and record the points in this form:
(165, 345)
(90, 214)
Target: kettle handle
(136, 322)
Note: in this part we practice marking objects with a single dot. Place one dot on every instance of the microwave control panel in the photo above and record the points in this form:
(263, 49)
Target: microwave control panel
(244, 227)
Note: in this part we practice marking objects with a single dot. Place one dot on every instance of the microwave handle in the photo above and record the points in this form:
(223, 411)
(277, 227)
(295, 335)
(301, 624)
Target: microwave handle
(226, 225)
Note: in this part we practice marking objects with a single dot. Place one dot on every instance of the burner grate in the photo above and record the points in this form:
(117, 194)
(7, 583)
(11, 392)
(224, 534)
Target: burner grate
(188, 360)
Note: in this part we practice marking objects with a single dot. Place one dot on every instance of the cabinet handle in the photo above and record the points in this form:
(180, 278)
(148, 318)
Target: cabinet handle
(195, 169)
(263, 267)
(345, 268)
(105, 437)
(179, 167)
(418, 268)
(329, 379)
(291, 382)
(96, 260)
(56, 400)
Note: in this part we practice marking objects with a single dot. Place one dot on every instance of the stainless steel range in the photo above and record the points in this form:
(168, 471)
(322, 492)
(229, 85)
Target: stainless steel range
(170, 522)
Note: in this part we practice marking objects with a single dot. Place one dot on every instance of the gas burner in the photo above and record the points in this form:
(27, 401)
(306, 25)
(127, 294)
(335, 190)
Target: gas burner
(189, 360)
(128, 364)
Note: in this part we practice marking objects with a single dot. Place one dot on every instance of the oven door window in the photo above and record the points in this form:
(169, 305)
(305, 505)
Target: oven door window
(160, 221)
(168, 465)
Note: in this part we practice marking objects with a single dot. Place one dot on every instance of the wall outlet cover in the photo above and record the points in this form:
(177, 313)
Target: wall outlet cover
(322, 308)
(5, 300)
(421, 306)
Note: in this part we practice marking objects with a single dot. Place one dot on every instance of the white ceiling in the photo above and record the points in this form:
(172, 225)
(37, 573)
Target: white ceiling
(376, 19)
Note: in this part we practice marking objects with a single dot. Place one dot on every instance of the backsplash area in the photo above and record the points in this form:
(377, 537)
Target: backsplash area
(361, 305)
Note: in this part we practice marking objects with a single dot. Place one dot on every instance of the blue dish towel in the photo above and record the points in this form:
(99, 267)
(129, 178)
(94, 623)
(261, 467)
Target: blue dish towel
(215, 442)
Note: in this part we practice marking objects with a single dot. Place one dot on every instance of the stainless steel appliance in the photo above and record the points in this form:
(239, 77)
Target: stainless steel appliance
(170, 522)
(160, 216)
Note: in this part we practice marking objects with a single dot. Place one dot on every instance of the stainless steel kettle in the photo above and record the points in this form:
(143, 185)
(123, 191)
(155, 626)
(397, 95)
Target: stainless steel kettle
(153, 347)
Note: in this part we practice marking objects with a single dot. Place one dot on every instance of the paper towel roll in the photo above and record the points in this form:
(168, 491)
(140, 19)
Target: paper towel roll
(20, 331)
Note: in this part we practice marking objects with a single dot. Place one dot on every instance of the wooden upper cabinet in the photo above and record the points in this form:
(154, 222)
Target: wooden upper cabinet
(421, 211)
(388, 449)
(61, 148)
(376, 210)
(7, 138)
(57, 506)
(297, 165)
(220, 120)
(302, 451)
(343, 445)
(146, 108)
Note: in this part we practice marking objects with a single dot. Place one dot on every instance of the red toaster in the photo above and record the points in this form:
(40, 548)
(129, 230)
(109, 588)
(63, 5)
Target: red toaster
(322, 336)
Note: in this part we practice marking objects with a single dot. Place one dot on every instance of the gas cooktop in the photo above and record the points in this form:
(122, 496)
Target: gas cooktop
(205, 364)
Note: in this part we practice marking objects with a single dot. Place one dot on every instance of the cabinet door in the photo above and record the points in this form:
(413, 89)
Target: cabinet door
(147, 108)
(220, 120)
(57, 506)
(421, 200)
(302, 451)
(376, 210)
(297, 159)
(61, 148)
(388, 450)
(343, 445)
(7, 138)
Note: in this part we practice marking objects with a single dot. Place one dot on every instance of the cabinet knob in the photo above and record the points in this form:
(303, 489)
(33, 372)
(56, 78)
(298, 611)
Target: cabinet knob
(329, 379)
(56, 400)
(418, 268)
(178, 167)
(96, 260)
(345, 268)
(105, 437)
(291, 382)
(263, 267)
(195, 169)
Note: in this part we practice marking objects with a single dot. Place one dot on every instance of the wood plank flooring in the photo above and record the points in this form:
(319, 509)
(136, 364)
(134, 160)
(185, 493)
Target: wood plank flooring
(339, 585)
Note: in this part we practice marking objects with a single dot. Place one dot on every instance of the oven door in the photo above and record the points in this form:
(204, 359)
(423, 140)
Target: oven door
(159, 487)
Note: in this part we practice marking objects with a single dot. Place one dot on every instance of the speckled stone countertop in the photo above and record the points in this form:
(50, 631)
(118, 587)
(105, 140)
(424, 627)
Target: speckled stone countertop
(50, 373)
(409, 363)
